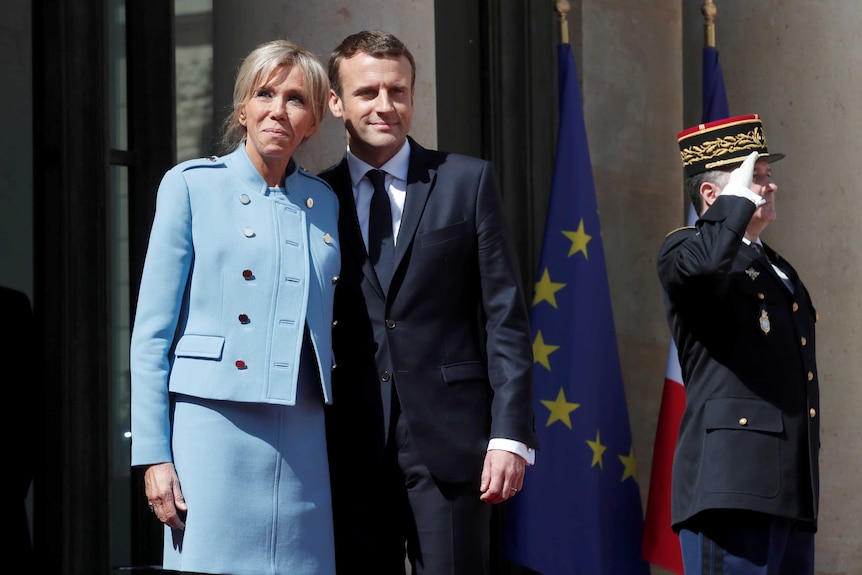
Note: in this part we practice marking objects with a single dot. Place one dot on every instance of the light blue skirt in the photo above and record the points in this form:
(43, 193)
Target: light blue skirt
(256, 481)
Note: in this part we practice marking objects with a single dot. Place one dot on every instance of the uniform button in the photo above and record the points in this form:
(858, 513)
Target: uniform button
(385, 376)
(810, 376)
(309, 202)
(240, 364)
(804, 341)
(247, 274)
(243, 319)
(334, 322)
(761, 296)
(244, 199)
(335, 279)
(795, 306)
(390, 323)
(743, 421)
(327, 238)
(812, 413)
(248, 232)
(334, 365)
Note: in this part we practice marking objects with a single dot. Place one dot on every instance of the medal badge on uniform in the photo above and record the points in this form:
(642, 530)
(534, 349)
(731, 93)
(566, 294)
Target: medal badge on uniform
(752, 273)
(764, 322)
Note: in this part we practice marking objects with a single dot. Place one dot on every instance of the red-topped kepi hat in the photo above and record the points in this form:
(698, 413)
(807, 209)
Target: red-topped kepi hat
(722, 143)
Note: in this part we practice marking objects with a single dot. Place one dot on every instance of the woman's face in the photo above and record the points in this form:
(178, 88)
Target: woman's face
(277, 117)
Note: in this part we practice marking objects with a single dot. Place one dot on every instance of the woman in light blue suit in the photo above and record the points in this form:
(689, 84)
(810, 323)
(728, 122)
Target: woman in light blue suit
(231, 349)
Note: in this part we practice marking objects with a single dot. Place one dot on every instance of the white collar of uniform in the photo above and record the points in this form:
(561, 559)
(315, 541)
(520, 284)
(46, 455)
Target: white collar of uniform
(396, 166)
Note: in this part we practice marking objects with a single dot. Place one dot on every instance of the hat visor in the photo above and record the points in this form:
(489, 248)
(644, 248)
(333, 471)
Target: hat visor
(772, 157)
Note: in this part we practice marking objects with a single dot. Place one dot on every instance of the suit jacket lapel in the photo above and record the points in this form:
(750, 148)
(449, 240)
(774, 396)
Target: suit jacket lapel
(420, 180)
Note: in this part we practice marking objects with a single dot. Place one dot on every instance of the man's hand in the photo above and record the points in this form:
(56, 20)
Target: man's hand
(164, 494)
(502, 476)
(739, 183)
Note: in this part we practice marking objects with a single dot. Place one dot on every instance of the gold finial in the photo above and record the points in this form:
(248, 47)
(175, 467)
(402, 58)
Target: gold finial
(563, 8)
(709, 11)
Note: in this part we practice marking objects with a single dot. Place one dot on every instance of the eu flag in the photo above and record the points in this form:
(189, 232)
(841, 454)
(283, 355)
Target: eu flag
(580, 510)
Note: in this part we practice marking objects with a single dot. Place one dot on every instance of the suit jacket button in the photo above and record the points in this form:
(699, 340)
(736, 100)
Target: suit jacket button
(385, 376)
(795, 306)
(810, 376)
(390, 323)
(743, 421)
(812, 413)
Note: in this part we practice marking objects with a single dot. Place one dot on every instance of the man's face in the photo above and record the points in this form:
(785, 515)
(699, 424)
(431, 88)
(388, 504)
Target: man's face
(376, 106)
(762, 185)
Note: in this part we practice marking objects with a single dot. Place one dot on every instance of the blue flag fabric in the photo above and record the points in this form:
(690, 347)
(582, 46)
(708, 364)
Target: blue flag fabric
(715, 105)
(580, 510)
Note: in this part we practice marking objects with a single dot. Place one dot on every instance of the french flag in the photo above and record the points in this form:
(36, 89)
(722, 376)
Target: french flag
(660, 544)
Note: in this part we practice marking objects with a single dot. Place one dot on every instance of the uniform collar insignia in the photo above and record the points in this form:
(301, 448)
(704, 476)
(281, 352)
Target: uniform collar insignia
(752, 273)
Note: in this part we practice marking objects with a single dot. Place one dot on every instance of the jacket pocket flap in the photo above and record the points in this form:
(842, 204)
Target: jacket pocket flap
(742, 413)
(201, 346)
(461, 371)
(449, 232)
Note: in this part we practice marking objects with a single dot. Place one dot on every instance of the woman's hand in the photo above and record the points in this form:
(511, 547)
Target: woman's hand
(165, 495)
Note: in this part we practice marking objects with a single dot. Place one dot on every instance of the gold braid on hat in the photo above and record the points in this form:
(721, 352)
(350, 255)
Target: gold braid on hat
(714, 149)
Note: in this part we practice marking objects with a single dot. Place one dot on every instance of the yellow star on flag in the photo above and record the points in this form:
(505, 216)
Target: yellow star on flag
(631, 466)
(541, 351)
(580, 239)
(546, 290)
(598, 451)
(560, 409)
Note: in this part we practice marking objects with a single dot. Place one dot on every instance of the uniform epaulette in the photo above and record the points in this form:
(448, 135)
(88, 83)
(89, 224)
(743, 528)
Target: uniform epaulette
(209, 161)
(670, 233)
(304, 172)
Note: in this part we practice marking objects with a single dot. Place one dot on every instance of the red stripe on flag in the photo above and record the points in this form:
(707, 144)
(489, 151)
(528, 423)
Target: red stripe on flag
(660, 544)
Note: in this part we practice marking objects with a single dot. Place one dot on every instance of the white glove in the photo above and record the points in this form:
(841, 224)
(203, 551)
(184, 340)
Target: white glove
(739, 183)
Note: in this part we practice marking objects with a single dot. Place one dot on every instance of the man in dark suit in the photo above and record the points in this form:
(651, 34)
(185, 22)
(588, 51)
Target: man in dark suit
(432, 418)
(745, 473)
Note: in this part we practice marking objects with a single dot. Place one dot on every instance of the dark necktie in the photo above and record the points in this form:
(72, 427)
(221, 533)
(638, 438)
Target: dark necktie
(781, 274)
(381, 247)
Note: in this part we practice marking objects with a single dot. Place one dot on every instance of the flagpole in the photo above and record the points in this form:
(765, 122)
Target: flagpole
(563, 8)
(709, 11)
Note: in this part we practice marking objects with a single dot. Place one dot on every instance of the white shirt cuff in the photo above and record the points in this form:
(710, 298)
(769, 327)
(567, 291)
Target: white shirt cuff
(516, 447)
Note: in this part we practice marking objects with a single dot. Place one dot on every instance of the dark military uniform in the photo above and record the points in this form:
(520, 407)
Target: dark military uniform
(749, 437)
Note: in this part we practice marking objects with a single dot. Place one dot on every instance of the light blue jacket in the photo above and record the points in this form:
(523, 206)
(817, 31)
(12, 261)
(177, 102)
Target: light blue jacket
(232, 275)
